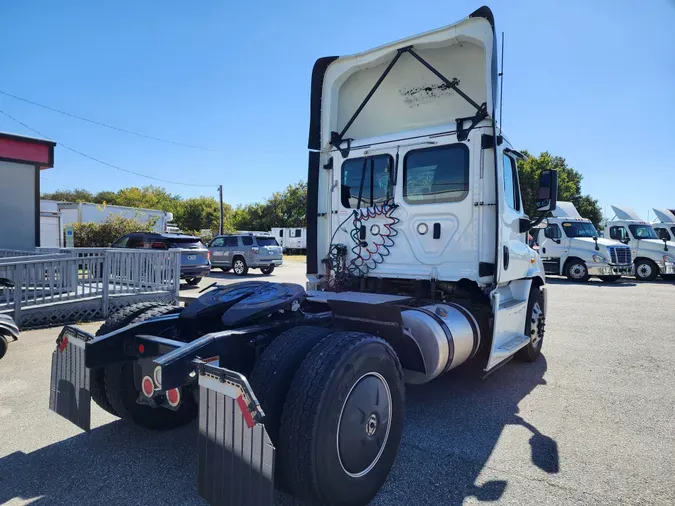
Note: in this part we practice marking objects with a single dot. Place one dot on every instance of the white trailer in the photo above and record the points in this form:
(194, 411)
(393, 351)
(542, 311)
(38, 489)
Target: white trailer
(570, 246)
(279, 234)
(652, 256)
(84, 212)
(50, 225)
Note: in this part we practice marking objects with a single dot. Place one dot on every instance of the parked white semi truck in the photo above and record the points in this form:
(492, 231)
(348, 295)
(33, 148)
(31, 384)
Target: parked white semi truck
(417, 262)
(652, 256)
(569, 246)
(664, 226)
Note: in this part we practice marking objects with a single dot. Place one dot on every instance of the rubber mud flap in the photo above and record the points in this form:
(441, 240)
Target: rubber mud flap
(69, 391)
(236, 455)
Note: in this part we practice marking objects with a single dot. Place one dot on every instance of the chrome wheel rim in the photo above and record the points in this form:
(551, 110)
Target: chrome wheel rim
(644, 271)
(578, 271)
(238, 266)
(536, 325)
(364, 425)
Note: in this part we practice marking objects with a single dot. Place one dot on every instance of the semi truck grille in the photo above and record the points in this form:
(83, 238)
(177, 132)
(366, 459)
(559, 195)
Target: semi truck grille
(620, 255)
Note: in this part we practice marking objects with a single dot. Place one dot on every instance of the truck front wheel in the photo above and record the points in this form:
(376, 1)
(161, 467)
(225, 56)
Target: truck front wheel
(3, 346)
(534, 326)
(576, 270)
(646, 270)
(342, 421)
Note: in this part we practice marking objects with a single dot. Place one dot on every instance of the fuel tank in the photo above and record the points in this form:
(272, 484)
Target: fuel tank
(447, 335)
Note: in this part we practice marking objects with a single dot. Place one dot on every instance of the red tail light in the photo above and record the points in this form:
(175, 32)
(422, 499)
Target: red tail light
(158, 245)
(148, 386)
(173, 397)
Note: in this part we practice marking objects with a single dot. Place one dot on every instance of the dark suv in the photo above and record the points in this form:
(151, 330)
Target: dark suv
(242, 251)
(194, 258)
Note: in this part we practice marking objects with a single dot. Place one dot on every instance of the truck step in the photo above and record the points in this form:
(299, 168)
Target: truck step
(514, 344)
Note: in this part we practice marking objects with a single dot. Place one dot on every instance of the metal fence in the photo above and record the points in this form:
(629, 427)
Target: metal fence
(94, 278)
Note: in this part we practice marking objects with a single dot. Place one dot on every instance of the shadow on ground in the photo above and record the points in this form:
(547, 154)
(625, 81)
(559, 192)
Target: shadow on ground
(452, 427)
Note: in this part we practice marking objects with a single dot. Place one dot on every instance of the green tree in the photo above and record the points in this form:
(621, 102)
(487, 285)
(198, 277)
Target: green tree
(569, 185)
(76, 195)
(101, 235)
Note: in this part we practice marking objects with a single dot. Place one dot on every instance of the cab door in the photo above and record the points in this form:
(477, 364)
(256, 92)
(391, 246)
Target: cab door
(552, 250)
(515, 254)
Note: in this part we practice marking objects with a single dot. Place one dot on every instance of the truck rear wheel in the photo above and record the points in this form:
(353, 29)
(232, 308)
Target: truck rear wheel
(122, 389)
(342, 422)
(534, 326)
(576, 270)
(273, 372)
(115, 321)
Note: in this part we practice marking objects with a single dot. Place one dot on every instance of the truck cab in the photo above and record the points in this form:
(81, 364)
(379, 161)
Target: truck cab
(413, 188)
(570, 246)
(652, 255)
(664, 226)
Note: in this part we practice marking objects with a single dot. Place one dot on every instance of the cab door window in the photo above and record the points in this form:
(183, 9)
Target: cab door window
(511, 187)
(618, 233)
(553, 232)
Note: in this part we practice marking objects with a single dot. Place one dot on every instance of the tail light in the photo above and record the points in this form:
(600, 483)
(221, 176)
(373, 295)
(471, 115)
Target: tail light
(148, 386)
(173, 397)
(255, 250)
(158, 245)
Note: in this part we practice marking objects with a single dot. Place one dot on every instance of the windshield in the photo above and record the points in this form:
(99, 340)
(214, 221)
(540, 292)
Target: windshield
(643, 232)
(184, 243)
(579, 229)
(266, 241)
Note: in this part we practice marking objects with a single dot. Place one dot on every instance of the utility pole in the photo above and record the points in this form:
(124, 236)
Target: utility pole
(220, 192)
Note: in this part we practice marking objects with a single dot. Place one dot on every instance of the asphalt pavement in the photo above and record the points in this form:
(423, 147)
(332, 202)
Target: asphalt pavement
(592, 422)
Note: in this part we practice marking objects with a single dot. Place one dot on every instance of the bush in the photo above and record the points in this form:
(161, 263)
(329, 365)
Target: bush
(102, 235)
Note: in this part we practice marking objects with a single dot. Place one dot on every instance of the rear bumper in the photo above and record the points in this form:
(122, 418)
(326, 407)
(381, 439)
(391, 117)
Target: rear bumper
(276, 262)
(196, 271)
(611, 270)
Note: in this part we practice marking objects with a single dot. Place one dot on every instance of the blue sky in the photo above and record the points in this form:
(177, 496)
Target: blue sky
(593, 82)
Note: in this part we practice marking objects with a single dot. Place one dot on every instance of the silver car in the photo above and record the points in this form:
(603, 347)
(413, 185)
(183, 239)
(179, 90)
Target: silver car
(244, 251)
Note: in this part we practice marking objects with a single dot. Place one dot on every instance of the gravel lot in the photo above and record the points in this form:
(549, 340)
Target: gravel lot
(591, 422)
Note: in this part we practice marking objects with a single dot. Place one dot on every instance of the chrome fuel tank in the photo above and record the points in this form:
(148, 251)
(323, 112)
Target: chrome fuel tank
(447, 335)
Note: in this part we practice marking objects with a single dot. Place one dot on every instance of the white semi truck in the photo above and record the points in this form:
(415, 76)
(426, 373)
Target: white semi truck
(417, 261)
(569, 246)
(652, 256)
(664, 226)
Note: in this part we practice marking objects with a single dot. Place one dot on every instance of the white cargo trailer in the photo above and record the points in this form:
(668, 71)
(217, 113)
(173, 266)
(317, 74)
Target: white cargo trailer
(84, 212)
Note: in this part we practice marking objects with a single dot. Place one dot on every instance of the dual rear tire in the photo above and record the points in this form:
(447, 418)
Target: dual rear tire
(334, 409)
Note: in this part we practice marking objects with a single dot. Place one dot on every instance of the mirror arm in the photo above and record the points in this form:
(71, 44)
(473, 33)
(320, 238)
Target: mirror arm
(537, 221)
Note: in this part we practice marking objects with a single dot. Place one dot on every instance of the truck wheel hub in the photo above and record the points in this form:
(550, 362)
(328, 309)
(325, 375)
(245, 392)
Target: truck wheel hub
(363, 427)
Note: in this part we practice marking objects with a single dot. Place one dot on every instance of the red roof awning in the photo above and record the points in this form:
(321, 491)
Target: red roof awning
(28, 150)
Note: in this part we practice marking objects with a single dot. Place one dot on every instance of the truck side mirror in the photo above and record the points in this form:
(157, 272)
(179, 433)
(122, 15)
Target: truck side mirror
(547, 198)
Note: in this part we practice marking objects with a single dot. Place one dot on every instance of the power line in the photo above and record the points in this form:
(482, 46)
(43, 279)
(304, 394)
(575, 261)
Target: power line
(159, 139)
(104, 162)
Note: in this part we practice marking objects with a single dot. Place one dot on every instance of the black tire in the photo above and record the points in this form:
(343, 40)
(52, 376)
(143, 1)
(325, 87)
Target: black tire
(115, 321)
(646, 270)
(610, 279)
(193, 281)
(534, 326)
(273, 372)
(225, 269)
(315, 453)
(267, 270)
(120, 385)
(576, 270)
(239, 266)
(3, 346)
